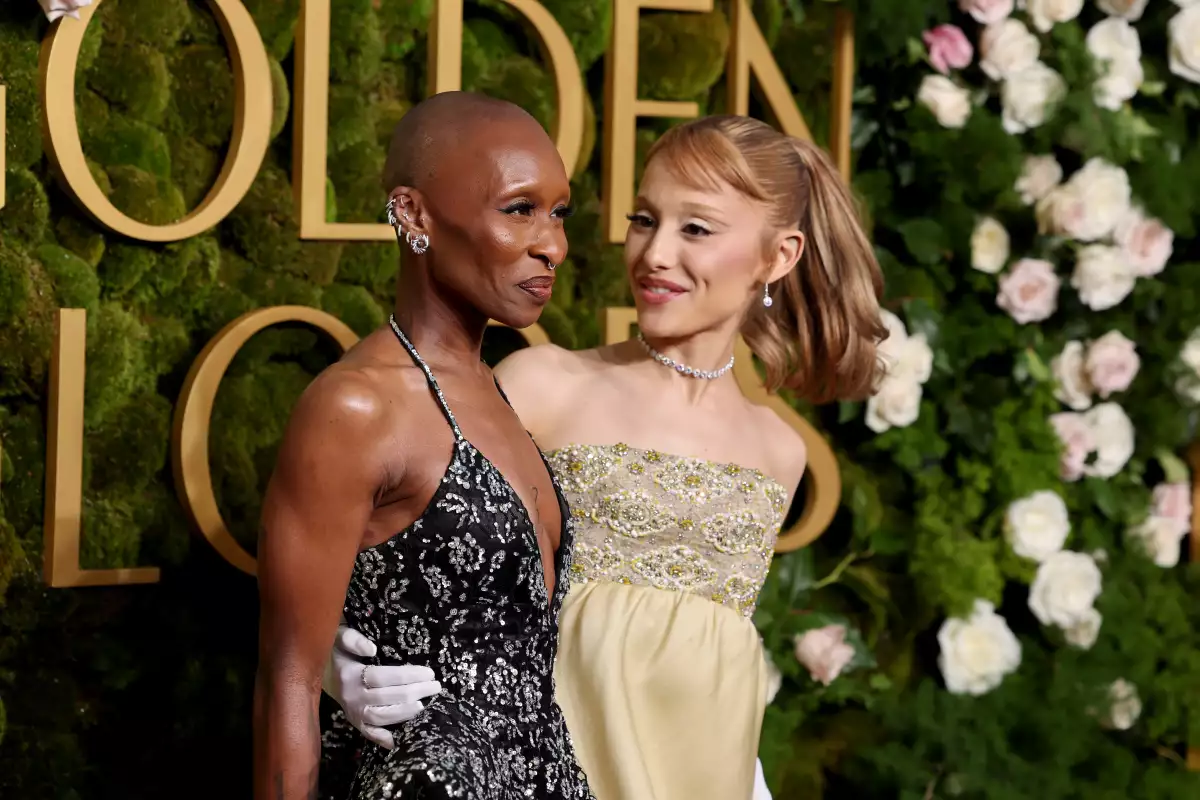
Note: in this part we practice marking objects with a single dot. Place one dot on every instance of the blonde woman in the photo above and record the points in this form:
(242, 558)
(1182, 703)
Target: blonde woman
(678, 485)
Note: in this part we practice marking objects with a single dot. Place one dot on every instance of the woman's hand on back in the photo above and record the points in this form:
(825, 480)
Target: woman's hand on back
(374, 697)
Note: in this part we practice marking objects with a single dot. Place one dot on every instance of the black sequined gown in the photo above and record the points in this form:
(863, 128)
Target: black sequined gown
(462, 591)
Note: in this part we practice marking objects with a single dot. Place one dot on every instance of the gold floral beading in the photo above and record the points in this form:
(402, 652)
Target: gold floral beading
(646, 518)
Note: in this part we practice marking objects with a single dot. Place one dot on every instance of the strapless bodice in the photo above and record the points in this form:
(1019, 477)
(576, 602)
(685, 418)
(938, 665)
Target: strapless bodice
(670, 522)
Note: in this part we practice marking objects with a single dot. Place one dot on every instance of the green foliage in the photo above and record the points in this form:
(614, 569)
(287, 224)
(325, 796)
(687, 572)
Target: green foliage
(920, 535)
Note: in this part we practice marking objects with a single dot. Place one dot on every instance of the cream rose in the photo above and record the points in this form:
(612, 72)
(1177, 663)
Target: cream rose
(56, 9)
(1112, 363)
(774, 676)
(1173, 501)
(1084, 632)
(1071, 384)
(1029, 290)
(1145, 242)
(1117, 51)
(1160, 537)
(1028, 97)
(1075, 436)
(897, 404)
(977, 652)
(989, 246)
(1039, 176)
(1102, 277)
(1125, 707)
(1037, 526)
(985, 12)
(1113, 435)
(1126, 9)
(908, 357)
(1103, 189)
(824, 652)
(949, 102)
(1006, 48)
(1045, 14)
(1065, 589)
(1183, 48)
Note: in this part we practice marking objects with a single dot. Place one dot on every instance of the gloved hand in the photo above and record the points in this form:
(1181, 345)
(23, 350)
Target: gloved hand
(761, 792)
(374, 696)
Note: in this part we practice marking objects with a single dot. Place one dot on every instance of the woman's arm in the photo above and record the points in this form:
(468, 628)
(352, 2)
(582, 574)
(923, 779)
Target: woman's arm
(317, 506)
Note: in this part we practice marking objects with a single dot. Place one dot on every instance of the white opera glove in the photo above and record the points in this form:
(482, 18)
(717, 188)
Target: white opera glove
(374, 696)
(761, 792)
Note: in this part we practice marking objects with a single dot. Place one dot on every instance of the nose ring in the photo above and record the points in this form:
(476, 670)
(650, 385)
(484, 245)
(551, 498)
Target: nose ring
(551, 265)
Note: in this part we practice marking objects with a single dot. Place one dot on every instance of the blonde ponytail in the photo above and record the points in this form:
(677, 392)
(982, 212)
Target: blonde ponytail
(820, 336)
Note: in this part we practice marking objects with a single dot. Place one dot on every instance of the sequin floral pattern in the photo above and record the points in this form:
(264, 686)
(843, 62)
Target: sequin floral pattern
(462, 591)
(684, 524)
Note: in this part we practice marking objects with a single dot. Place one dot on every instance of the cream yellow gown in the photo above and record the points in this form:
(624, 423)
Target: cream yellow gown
(660, 671)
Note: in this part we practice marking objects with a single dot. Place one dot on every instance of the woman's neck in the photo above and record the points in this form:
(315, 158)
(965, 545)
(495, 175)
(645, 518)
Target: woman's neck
(707, 351)
(441, 329)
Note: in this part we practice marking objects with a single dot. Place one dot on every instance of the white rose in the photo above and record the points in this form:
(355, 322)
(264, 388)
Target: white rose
(907, 357)
(1039, 176)
(1102, 277)
(1037, 526)
(1124, 706)
(1126, 9)
(1006, 48)
(774, 676)
(1104, 190)
(1071, 384)
(1113, 435)
(977, 652)
(1190, 354)
(1028, 96)
(1084, 632)
(896, 404)
(1117, 51)
(1183, 50)
(1045, 14)
(56, 9)
(949, 102)
(989, 246)
(1065, 589)
(1146, 243)
(1112, 363)
(1160, 537)
(986, 12)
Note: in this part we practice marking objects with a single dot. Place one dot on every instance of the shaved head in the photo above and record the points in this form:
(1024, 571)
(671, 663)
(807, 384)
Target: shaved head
(441, 125)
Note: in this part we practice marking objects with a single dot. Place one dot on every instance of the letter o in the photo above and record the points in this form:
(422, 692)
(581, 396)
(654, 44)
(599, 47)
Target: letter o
(251, 126)
(193, 415)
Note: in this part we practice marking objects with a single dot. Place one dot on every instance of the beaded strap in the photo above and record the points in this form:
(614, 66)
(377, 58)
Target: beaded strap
(433, 384)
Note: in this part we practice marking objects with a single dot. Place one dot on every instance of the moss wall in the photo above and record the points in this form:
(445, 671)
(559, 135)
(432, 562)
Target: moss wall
(144, 691)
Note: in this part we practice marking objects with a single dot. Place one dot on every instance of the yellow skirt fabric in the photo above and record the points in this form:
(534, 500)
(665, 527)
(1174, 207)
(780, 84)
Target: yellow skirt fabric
(663, 693)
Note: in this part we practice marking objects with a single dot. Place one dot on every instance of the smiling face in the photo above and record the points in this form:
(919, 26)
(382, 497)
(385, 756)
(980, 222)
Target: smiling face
(698, 255)
(493, 210)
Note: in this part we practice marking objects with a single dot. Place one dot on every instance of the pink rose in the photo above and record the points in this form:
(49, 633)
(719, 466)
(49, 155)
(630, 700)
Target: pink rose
(1146, 243)
(824, 652)
(1077, 442)
(1112, 362)
(1173, 501)
(948, 48)
(985, 12)
(1029, 291)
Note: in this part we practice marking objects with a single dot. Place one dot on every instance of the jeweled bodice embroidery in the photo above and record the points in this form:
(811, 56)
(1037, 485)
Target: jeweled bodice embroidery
(685, 524)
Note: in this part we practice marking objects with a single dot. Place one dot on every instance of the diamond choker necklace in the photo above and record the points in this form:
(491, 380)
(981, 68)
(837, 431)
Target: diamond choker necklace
(684, 369)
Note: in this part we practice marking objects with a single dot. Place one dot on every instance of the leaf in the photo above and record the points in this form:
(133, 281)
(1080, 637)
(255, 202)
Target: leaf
(848, 411)
(1176, 471)
(925, 240)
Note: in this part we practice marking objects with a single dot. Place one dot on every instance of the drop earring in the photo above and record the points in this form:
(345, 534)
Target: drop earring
(767, 301)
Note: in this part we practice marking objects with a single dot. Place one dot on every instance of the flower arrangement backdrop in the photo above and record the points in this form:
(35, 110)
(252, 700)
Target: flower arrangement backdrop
(1001, 610)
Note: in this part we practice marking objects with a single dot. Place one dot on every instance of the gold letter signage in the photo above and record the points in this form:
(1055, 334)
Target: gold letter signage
(444, 75)
(251, 126)
(193, 413)
(64, 465)
(823, 475)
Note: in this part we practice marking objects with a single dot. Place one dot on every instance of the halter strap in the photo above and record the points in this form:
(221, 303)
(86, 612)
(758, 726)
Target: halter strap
(433, 384)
